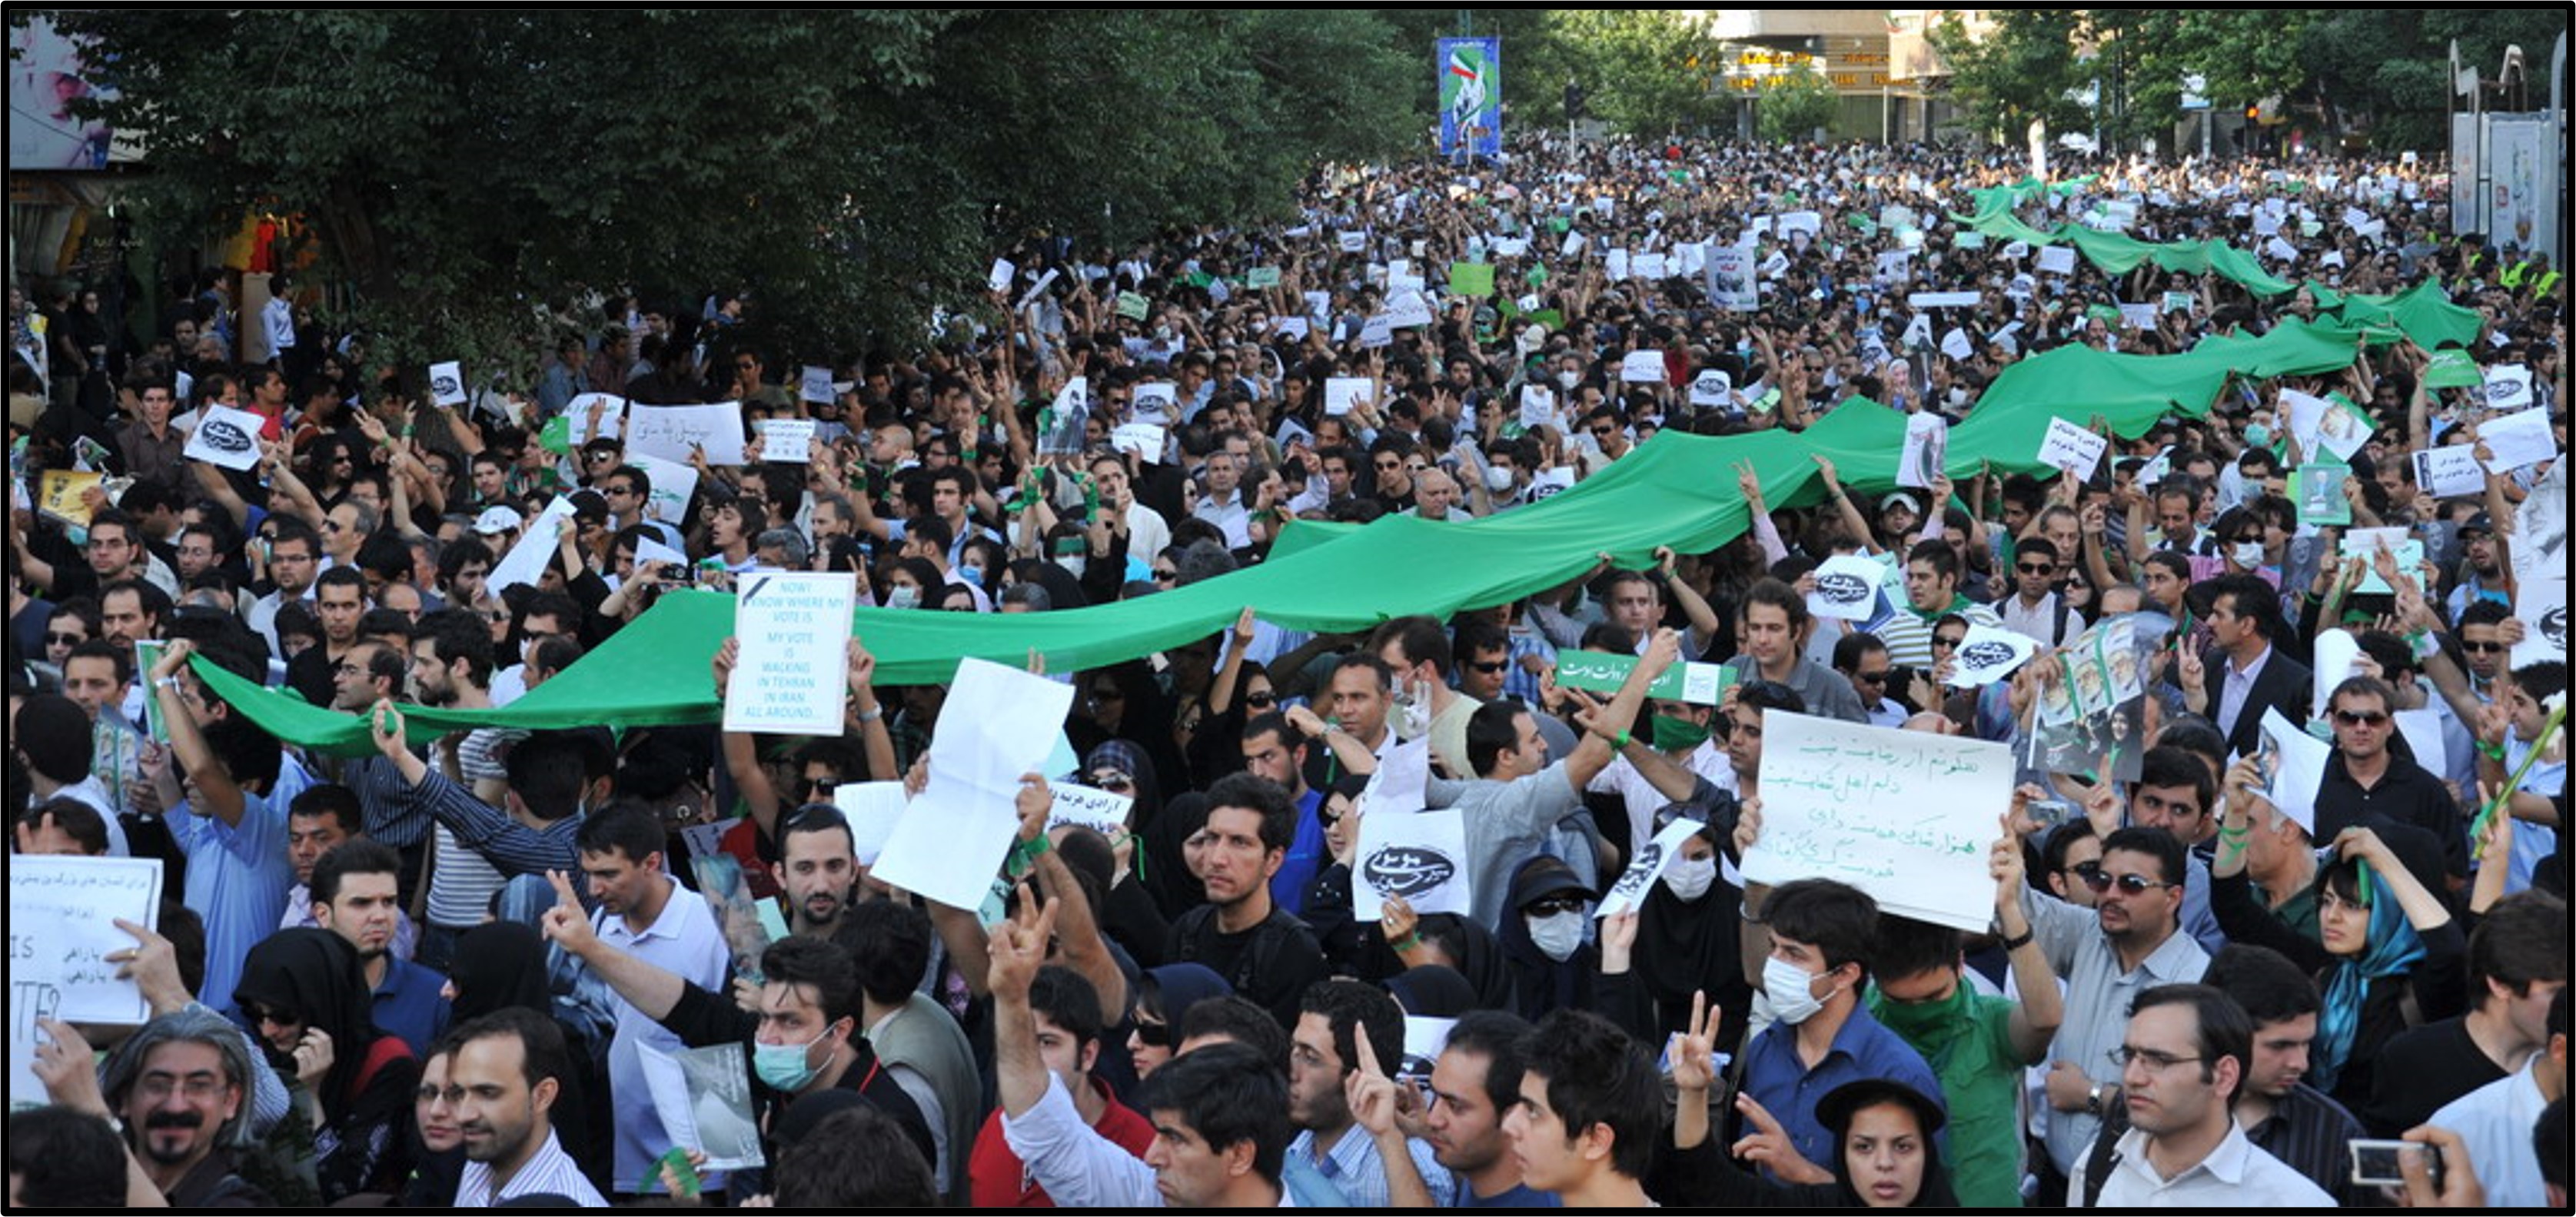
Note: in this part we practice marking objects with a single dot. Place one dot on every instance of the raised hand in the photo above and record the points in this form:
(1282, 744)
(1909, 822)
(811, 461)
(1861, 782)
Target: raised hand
(567, 924)
(1694, 1052)
(1770, 1146)
(1019, 947)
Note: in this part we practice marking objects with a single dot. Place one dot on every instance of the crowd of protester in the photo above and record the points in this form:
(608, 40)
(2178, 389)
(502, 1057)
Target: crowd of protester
(444, 973)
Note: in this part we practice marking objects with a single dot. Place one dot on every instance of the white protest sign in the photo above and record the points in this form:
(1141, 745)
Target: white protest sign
(1538, 405)
(2422, 728)
(1905, 816)
(2508, 386)
(1424, 1040)
(1343, 392)
(1648, 266)
(997, 723)
(793, 674)
(2057, 260)
(2540, 527)
(226, 437)
(703, 1098)
(1712, 387)
(2072, 448)
(62, 913)
(1730, 279)
(1352, 242)
(1943, 300)
(707, 840)
(1927, 450)
(537, 545)
(786, 439)
(1408, 311)
(1809, 222)
(1631, 887)
(673, 485)
(2516, 440)
(1377, 331)
(1987, 654)
(648, 551)
(1642, 367)
(1957, 345)
(814, 384)
(2334, 655)
(2541, 606)
(1291, 327)
(1895, 265)
(1917, 335)
(669, 432)
(1614, 264)
(447, 383)
(2365, 544)
(1403, 774)
(1038, 288)
(2279, 249)
(1548, 483)
(1420, 856)
(1846, 588)
(1101, 811)
(873, 809)
(1068, 419)
(612, 417)
(2138, 316)
(999, 278)
(2293, 766)
(1144, 439)
(1156, 401)
(2448, 471)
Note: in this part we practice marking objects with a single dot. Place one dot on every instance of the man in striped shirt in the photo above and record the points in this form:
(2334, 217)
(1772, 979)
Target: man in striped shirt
(507, 1074)
(1931, 592)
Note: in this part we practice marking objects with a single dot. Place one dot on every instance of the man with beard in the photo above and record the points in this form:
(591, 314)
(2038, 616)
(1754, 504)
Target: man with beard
(1333, 1018)
(354, 895)
(818, 869)
(451, 668)
(2487, 581)
(181, 1088)
(508, 1068)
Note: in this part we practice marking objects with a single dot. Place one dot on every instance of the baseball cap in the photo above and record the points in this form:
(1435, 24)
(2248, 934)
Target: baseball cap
(497, 520)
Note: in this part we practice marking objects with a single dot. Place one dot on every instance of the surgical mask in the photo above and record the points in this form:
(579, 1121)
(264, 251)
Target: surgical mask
(1791, 991)
(903, 596)
(1075, 564)
(1557, 934)
(2248, 554)
(1567, 379)
(2257, 436)
(971, 574)
(1415, 704)
(786, 1066)
(1498, 480)
(1674, 734)
(1689, 878)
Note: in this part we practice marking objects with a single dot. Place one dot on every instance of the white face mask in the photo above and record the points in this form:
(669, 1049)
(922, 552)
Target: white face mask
(2249, 554)
(1791, 990)
(1075, 564)
(903, 596)
(1557, 934)
(1567, 379)
(1690, 878)
(1498, 480)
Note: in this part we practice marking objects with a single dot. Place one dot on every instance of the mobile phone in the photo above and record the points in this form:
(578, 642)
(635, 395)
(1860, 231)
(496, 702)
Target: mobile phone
(2048, 813)
(2374, 1162)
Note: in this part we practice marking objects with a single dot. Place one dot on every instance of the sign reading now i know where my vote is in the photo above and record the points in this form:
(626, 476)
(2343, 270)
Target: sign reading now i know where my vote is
(1905, 816)
(1700, 684)
(793, 673)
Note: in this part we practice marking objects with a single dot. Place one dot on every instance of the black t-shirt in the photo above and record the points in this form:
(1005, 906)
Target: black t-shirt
(2420, 1071)
(1271, 963)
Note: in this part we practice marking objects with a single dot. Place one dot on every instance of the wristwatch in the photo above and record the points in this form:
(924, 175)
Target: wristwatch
(2093, 1100)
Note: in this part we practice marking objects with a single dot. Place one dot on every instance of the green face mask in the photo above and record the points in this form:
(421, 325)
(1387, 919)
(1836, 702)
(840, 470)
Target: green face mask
(1674, 734)
(1916, 1020)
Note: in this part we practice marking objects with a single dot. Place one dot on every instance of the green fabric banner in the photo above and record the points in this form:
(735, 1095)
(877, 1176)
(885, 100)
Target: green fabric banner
(1677, 490)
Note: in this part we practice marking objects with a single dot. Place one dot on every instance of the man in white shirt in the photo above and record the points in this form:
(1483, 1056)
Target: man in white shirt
(2495, 1120)
(2036, 609)
(641, 910)
(505, 1076)
(2184, 1060)
(1226, 504)
(1148, 533)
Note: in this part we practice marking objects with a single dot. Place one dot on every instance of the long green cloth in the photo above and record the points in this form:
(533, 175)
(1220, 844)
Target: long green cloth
(1678, 490)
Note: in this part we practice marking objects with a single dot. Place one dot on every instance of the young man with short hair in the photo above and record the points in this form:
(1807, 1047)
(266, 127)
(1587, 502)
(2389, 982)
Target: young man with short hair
(2284, 1116)
(1774, 622)
(1065, 1019)
(1266, 953)
(354, 895)
(2183, 1061)
(506, 1070)
(1590, 1111)
(1324, 1054)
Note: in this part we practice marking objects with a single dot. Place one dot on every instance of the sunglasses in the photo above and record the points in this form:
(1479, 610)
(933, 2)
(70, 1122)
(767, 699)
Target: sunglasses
(2483, 648)
(2033, 568)
(1872, 678)
(2130, 885)
(1491, 667)
(2361, 718)
(1945, 642)
(65, 640)
(1166, 576)
(1549, 906)
(1261, 700)
(1153, 1035)
(255, 1014)
(810, 785)
(1113, 782)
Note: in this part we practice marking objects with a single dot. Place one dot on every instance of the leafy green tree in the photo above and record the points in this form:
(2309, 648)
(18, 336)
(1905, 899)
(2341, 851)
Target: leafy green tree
(458, 169)
(1794, 104)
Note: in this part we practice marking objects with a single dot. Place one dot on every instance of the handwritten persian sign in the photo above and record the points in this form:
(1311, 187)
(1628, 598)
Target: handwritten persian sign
(1700, 684)
(62, 926)
(1903, 815)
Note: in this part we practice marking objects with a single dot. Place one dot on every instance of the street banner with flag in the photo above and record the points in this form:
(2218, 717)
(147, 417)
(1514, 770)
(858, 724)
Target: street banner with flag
(1471, 96)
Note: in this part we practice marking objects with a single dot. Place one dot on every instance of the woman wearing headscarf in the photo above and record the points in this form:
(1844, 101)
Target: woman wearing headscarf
(1687, 940)
(1884, 1133)
(1552, 968)
(2388, 944)
(1163, 996)
(1132, 910)
(305, 995)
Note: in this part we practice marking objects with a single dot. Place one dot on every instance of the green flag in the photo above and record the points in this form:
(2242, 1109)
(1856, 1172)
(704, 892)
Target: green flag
(1471, 279)
(557, 435)
(2452, 370)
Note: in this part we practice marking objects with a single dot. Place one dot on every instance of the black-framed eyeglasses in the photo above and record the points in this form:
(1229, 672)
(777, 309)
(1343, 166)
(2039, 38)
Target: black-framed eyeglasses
(2156, 1062)
(2130, 885)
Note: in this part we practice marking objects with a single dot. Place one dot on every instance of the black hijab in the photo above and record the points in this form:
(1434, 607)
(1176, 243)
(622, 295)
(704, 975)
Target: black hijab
(500, 965)
(316, 974)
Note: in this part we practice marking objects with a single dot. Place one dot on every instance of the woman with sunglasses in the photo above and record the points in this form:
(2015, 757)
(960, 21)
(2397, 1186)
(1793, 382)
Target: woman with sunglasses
(1164, 996)
(2391, 955)
(1216, 747)
(305, 996)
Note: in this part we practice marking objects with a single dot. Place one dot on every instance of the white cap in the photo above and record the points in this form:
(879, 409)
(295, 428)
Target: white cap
(496, 520)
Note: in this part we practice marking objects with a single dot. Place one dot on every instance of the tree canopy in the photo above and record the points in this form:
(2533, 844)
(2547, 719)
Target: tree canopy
(459, 169)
